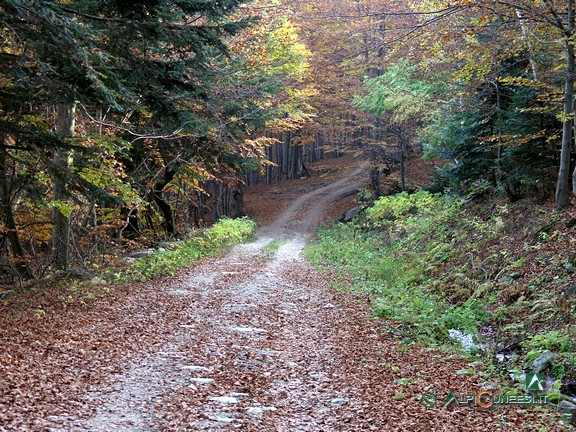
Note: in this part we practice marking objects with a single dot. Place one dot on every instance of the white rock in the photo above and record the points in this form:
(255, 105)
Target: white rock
(260, 410)
(255, 410)
(249, 330)
(239, 395)
(270, 408)
(225, 420)
(202, 380)
(197, 368)
(225, 399)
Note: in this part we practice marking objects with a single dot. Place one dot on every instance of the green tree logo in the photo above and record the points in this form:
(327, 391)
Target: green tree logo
(534, 381)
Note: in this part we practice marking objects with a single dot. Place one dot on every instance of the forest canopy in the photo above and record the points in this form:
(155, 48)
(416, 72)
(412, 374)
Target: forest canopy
(126, 121)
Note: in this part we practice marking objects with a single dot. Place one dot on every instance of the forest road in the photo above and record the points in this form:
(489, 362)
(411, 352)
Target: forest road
(257, 347)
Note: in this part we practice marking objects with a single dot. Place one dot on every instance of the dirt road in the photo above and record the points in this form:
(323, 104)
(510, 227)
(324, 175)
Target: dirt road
(253, 341)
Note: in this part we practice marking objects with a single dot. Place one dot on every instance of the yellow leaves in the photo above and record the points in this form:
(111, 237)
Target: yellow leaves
(515, 140)
(256, 148)
(290, 123)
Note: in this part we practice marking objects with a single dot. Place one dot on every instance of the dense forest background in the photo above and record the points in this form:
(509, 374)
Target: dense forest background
(131, 121)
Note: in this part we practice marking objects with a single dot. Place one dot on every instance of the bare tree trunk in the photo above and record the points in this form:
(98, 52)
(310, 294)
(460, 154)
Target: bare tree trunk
(531, 55)
(65, 124)
(562, 198)
(7, 213)
(163, 205)
(375, 181)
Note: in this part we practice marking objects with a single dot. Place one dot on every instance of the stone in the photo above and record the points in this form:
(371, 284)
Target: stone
(339, 401)
(239, 395)
(542, 361)
(569, 267)
(202, 380)
(255, 411)
(171, 245)
(249, 330)
(270, 408)
(225, 419)
(98, 281)
(260, 410)
(225, 399)
(566, 407)
(569, 388)
(197, 368)
(351, 214)
(143, 253)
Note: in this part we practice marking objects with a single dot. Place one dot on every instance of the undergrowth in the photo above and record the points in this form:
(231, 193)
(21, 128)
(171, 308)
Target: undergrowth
(389, 254)
(212, 241)
(501, 273)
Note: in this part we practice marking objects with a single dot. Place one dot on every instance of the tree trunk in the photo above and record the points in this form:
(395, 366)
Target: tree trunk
(402, 165)
(531, 52)
(375, 182)
(8, 217)
(562, 198)
(162, 204)
(65, 124)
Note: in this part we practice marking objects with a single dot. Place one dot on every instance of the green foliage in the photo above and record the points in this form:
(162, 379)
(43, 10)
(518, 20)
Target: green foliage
(554, 340)
(386, 256)
(220, 236)
(397, 92)
(271, 248)
(502, 141)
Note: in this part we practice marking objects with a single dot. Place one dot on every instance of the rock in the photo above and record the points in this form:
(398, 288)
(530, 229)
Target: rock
(225, 399)
(270, 408)
(351, 214)
(239, 395)
(249, 330)
(569, 388)
(542, 361)
(225, 419)
(171, 245)
(569, 267)
(255, 411)
(143, 253)
(98, 281)
(566, 407)
(339, 401)
(319, 376)
(202, 380)
(4, 294)
(466, 340)
(197, 368)
(260, 410)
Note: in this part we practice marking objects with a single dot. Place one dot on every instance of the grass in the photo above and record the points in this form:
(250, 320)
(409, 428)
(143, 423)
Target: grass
(219, 237)
(271, 248)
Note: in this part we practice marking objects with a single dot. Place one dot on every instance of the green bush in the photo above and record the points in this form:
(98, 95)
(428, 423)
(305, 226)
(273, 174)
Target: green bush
(387, 255)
